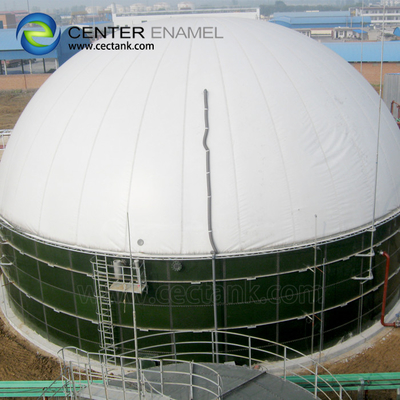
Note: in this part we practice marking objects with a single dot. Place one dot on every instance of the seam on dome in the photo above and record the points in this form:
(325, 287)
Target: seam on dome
(232, 144)
(6, 174)
(62, 136)
(370, 121)
(274, 129)
(95, 142)
(330, 54)
(255, 38)
(138, 136)
(183, 144)
(349, 93)
(349, 130)
(384, 121)
(308, 114)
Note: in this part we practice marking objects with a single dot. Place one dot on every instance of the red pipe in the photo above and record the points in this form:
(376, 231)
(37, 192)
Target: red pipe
(393, 324)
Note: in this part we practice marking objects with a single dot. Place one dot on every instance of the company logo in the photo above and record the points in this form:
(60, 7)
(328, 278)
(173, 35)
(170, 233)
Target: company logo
(27, 38)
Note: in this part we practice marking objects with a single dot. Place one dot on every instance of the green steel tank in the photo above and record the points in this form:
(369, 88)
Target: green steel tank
(237, 176)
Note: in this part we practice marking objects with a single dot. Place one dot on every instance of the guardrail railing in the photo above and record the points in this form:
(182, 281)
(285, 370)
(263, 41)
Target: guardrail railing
(224, 346)
(84, 370)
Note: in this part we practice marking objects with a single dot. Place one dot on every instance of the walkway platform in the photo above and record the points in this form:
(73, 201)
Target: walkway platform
(237, 383)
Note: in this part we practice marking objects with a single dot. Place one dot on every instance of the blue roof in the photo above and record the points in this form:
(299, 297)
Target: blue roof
(324, 19)
(8, 41)
(371, 51)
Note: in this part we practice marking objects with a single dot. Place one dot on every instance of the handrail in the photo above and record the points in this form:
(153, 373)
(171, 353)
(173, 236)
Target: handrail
(45, 389)
(84, 360)
(158, 351)
(234, 346)
(217, 383)
(370, 381)
(144, 380)
(351, 382)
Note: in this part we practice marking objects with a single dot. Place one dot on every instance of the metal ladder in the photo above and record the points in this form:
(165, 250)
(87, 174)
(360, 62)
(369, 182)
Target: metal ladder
(101, 275)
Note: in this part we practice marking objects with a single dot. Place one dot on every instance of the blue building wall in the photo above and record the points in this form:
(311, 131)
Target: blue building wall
(367, 51)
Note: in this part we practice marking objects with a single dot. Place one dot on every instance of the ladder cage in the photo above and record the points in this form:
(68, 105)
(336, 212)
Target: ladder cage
(114, 275)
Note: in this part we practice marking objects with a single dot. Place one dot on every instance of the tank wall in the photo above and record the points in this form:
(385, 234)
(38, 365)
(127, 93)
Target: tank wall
(270, 296)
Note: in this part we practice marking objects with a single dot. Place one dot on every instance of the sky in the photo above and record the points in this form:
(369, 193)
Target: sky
(10, 5)
(48, 5)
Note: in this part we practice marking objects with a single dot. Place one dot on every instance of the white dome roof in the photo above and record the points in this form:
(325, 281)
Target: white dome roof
(293, 133)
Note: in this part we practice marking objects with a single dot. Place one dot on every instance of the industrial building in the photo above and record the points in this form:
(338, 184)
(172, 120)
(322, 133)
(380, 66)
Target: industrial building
(319, 20)
(357, 46)
(11, 19)
(368, 52)
(135, 18)
(331, 24)
(378, 13)
(7, 20)
(225, 185)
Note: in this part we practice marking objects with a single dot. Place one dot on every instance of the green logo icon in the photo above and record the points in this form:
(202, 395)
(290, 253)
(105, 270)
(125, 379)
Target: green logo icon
(49, 26)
